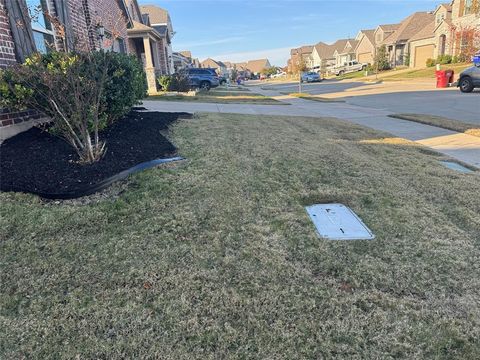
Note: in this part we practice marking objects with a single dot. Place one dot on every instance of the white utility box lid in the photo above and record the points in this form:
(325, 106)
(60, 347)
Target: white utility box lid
(338, 222)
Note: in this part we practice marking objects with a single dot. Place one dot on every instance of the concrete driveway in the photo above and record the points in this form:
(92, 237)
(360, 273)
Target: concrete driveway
(418, 97)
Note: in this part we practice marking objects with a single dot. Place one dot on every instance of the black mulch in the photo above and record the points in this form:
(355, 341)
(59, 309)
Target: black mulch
(35, 161)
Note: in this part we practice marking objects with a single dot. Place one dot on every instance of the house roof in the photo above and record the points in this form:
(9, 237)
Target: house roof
(389, 27)
(445, 5)
(258, 65)
(210, 63)
(351, 44)
(139, 28)
(240, 66)
(409, 27)
(426, 33)
(339, 45)
(306, 49)
(157, 14)
(324, 51)
(186, 53)
(369, 34)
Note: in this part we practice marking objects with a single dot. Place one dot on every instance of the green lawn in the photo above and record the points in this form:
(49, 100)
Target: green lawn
(222, 96)
(216, 258)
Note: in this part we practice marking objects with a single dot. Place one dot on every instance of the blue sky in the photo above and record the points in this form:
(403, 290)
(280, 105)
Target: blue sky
(240, 30)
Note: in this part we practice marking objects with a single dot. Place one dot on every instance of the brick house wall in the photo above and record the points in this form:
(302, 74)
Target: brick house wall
(84, 17)
(7, 58)
(7, 50)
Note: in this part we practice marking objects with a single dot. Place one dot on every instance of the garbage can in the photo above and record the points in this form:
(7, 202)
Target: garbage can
(442, 81)
(476, 59)
(450, 74)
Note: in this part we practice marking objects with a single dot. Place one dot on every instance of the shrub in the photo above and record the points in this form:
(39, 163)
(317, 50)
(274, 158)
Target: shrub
(381, 59)
(406, 59)
(81, 93)
(444, 59)
(430, 62)
(176, 82)
(126, 83)
(165, 82)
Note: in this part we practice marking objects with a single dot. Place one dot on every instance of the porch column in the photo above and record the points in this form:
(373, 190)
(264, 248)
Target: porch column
(156, 57)
(394, 56)
(149, 69)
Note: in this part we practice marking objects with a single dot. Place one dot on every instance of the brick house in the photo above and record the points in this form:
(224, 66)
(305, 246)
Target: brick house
(127, 29)
(398, 42)
(457, 28)
(365, 50)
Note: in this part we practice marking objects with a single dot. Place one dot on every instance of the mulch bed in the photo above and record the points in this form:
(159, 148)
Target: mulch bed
(37, 162)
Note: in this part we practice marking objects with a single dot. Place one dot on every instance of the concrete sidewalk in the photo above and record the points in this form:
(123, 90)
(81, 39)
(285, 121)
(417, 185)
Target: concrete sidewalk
(463, 147)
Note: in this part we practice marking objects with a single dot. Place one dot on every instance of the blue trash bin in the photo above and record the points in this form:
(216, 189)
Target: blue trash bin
(476, 59)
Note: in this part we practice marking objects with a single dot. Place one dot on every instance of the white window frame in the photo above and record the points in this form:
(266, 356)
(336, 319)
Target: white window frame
(40, 29)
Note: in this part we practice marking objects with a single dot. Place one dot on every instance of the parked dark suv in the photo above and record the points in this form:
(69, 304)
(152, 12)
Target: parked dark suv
(202, 78)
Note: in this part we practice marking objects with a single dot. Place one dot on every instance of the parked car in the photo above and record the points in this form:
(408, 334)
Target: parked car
(203, 78)
(469, 79)
(310, 77)
(280, 74)
(349, 67)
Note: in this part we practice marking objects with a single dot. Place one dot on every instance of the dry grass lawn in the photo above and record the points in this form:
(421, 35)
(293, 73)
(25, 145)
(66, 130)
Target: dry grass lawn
(216, 258)
(449, 124)
(222, 96)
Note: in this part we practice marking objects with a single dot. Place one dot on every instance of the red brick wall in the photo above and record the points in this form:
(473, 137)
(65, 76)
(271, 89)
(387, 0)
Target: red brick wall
(105, 12)
(7, 50)
(84, 16)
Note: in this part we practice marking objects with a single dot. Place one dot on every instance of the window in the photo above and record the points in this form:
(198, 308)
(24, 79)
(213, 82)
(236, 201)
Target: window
(440, 18)
(468, 7)
(41, 27)
(116, 45)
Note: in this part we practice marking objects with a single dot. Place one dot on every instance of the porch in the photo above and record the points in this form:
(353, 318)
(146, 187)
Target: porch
(148, 45)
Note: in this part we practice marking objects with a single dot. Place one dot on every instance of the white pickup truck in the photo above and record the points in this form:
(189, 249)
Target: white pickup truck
(349, 67)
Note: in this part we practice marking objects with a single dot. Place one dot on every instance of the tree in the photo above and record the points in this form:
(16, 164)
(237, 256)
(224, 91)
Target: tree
(381, 59)
(269, 71)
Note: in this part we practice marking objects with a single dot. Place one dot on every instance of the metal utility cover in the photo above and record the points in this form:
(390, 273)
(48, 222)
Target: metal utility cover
(456, 166)
(338, 222)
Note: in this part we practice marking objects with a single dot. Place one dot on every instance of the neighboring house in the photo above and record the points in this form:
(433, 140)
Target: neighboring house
(180, 61)
(344, 51)
(219, 66)
(322, 56)
(22, 34)
(422, 46)
(457, 30)
(256, 66)
(241, 69)
(366, 47)
(443, 30)
(299, 55)
(384, 31)
(159, 19)
(398, 42)
(305, 53)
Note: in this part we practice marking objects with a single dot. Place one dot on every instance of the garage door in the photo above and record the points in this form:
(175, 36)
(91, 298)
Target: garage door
(422, 53)
(365, 58)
